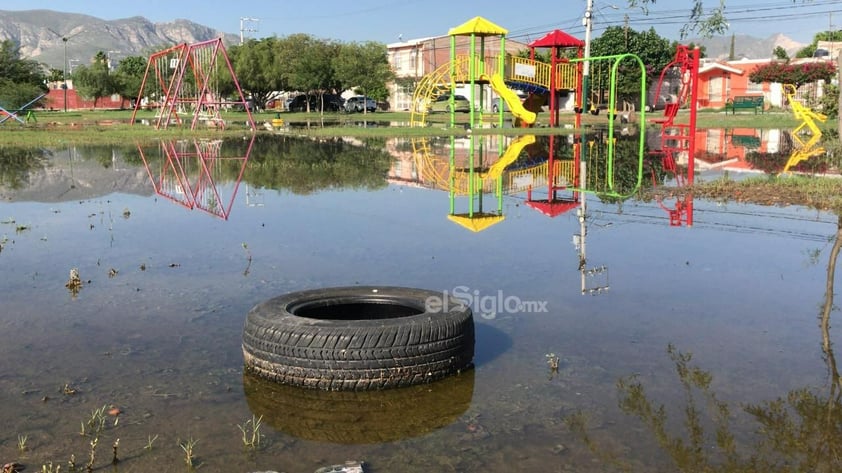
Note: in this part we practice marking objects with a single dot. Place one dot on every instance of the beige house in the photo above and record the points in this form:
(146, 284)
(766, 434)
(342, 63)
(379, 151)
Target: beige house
(413, 59)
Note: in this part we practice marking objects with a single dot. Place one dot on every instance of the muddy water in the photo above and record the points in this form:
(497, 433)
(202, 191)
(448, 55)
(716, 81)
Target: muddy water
(155, 328)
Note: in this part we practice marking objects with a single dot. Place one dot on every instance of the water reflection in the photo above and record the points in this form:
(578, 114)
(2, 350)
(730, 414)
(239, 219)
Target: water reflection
(365, 417)
(800, 431)
(187, 172)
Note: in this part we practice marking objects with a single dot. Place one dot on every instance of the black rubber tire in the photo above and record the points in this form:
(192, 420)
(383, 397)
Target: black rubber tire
(363, 417)
(358, 338)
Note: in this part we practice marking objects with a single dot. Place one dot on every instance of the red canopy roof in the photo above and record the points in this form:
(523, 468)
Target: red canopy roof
(552, 208)
(557, 38)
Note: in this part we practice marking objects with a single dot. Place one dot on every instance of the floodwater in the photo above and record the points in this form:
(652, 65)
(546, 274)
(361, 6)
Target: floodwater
(172, 251)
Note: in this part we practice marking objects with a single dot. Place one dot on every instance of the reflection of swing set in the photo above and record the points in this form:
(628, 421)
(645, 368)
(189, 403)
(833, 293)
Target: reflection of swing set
(183, 81)
(15, 114)
(189, 173)
(803, 150)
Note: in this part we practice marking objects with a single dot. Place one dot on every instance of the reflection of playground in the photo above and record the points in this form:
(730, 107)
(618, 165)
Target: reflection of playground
(189, 170)
(798, 432)
(803, 150)
(365, 417)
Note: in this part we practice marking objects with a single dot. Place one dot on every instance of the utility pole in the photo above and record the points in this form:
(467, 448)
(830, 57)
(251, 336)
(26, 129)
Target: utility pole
(587, 22)
(626, 30)
(64, 85)
(243, 28)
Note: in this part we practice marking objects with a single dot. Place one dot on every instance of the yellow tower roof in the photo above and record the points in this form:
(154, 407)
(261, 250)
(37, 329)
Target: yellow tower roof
(478, 222)
(478, 25)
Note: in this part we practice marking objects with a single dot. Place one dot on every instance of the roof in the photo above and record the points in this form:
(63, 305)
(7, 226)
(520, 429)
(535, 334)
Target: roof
(552, 208)
(718, 65)
(478, 26)
(557, 38)
(478, 222)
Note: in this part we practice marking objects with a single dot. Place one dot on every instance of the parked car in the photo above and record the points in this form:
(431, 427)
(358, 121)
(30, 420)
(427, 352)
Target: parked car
(442, 104)
(521, 95)
(358, 103)
(332, 103)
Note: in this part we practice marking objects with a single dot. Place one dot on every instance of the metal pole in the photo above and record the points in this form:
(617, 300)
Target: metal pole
(64, 76)
(587, 22)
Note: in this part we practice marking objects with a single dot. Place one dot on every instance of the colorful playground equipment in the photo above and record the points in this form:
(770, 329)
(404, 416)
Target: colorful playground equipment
(475, 176)
(803, 150)
(183, 81)
(26, 108)
(188, 172)
(503, 74)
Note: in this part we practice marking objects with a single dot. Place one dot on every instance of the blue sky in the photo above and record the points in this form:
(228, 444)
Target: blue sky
(389, 20)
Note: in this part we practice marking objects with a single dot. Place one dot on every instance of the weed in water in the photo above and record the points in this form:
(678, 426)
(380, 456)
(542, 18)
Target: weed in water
(251, 432)
(149, 441)
(49, 468)
(90, 466)
(188, 451)
(22, 442)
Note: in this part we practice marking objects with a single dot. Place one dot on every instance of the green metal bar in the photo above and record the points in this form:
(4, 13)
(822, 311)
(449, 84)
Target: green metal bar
(501, 69)
(470, 174)
(452, 78)
(452, 175)
(472, 73)
(612, 102)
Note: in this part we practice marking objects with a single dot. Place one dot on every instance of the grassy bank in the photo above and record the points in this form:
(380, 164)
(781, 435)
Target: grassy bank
(112, 126)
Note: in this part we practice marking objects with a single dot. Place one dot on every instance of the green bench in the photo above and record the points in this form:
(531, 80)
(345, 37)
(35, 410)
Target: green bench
(744, 103)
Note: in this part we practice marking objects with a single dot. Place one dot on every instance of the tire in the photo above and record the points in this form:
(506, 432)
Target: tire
(364, 417)
(358, 338)
(495, 108)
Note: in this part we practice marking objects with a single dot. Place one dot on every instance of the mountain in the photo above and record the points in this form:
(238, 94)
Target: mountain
(39, 34)
(719, 47)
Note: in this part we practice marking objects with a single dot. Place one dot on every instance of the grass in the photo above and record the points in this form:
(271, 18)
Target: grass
(821, 193)
(54, 128)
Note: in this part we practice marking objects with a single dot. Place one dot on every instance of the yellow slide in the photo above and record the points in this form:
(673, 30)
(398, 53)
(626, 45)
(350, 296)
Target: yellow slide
(510, 97)
(509, 156)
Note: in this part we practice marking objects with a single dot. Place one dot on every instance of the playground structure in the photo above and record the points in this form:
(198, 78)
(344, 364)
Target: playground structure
(184, 81)
(803, 150)
(190, 170)
(502, 73)
(6, 115)
(679, 138)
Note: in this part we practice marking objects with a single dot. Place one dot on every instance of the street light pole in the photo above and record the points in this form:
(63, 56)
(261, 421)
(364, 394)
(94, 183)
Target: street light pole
(64, 75)
(587, 22)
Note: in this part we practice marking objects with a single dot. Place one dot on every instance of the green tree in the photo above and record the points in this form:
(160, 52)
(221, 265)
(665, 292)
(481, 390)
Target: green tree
(93, 81)
(259, 70)
(365, 67)
(55, 75)
(129, 77)
(309, 64)
(21, 80)
(655, 52)
(810, 49)
(780, 53)
(703, 21)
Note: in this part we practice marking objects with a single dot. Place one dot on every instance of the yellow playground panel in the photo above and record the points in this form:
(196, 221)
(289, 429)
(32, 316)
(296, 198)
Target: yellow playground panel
(803, 150)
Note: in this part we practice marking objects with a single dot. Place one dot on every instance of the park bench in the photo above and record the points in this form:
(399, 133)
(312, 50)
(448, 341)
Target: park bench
(744, 103)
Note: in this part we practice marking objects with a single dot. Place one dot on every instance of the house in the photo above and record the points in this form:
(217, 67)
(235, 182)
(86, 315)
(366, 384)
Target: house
(721, 81)
(413, 59)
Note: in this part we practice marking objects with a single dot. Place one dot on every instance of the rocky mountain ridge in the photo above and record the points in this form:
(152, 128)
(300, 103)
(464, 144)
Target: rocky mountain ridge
(40, 33)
